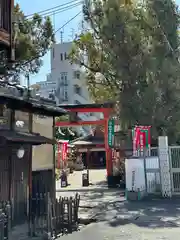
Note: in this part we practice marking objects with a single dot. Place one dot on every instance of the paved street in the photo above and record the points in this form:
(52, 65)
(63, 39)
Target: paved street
(118, 219)
(152, 220)
(97, 177)
(96, 196)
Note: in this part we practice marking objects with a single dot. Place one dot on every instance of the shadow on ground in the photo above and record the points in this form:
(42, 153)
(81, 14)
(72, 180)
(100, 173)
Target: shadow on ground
(152, 213)
(110, 206)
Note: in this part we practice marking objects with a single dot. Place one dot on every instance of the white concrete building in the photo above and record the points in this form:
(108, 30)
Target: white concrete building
(71, 87)
(66, 81)
(47, 88)
(70, 80)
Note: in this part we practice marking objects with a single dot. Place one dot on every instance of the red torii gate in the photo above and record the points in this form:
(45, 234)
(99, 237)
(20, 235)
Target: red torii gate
(106, 109)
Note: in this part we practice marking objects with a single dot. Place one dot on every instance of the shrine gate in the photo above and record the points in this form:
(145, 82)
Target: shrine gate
(106, 109)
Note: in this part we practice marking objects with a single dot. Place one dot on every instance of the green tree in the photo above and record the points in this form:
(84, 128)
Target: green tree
(165, 71)
(114, 46)
(32, 37)
(130, 55)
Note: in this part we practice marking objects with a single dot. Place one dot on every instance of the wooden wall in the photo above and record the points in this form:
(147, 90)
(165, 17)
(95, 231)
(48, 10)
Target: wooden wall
(42, 156)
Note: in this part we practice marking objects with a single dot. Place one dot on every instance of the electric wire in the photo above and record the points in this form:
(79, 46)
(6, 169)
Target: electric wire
(39, 56)
(70, 20)
(53, 8)
(59, 10)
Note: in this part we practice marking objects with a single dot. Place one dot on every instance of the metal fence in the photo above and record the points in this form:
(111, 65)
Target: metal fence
(49, 219)
(5, 220)
(174, 156)
(154, 151)
(153, 175)
(174, 160)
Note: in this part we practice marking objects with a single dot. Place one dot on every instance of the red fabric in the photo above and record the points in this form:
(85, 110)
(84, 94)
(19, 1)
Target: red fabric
(138, 134)
(64, 151)
(59, 154)
(144, 138)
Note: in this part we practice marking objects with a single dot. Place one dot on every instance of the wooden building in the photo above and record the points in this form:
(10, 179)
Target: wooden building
(6, 32)
(16, 140)
(43, 156)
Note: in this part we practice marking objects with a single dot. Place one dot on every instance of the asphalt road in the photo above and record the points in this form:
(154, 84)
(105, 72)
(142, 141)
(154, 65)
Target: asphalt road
(118, 219)
(147, 220)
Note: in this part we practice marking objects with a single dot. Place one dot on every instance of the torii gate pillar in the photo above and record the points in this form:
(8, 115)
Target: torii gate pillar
(106, 109)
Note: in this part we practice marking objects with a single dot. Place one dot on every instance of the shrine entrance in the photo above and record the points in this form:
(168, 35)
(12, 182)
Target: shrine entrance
(92, 149)
(106, 109)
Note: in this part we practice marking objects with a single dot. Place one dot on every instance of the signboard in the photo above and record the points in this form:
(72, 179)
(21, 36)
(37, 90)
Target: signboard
(111, 132)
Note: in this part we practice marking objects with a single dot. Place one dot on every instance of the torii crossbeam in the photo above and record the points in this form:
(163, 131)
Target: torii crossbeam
(106, 109)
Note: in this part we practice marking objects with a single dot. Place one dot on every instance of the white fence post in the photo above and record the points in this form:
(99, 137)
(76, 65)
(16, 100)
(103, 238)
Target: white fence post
(164, 166)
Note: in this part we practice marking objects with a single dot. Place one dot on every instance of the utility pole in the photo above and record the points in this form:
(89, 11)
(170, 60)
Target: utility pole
(61, 36)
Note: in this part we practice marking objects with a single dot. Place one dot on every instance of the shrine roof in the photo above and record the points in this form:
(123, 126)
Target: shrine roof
(97, 138)
(87, 143)
(89, 105)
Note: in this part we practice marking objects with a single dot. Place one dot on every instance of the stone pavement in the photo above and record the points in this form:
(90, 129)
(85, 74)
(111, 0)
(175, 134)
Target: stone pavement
(92, 198)
(96, 176)
(155, 219)
(118, 219)
(145, 220)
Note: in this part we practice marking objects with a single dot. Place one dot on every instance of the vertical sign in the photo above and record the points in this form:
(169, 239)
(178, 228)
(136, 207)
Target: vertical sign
(111, 132)
(64, 151)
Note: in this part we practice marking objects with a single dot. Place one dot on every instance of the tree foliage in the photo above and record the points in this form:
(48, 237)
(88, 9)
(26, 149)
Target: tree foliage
(32, 37)
(130, 53)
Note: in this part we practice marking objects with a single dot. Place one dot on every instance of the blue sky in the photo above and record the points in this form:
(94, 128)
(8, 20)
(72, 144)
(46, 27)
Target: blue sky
(33, 6)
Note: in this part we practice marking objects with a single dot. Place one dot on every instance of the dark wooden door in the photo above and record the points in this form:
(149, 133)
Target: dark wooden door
(42, 182)
(4, 174)
(20, 168)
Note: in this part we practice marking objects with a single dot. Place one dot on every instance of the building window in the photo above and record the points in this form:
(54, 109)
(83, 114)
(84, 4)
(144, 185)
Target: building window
(5, 115)
(64, 80)
(65, 93)
(65, 56)
(77, 74)
(61, 56)
(77, 89)
(53, 53)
